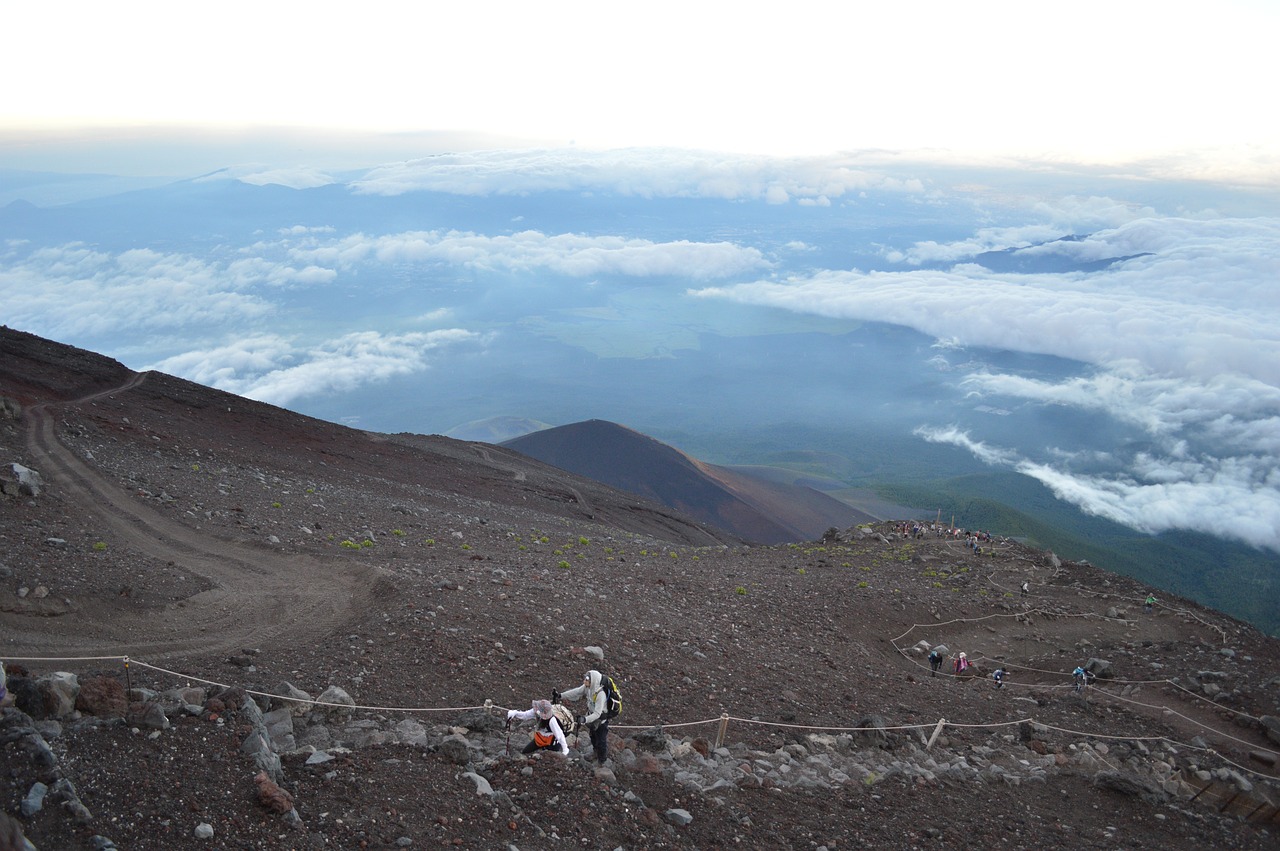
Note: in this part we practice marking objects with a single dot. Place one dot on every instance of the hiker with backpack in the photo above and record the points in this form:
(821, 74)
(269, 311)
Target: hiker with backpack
(935, 662)
(554, 724)
(603, 703)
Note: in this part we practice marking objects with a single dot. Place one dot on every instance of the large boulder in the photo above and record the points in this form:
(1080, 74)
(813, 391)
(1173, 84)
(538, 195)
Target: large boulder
(1100, 668)
(102, 697)
(17, 480)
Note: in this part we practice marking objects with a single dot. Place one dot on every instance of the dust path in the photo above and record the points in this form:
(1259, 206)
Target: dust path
(259, 595)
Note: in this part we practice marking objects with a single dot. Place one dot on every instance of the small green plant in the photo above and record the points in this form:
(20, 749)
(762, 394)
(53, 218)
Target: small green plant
(563, 564)
(366, 543)
(398, 533)
(674, 555)
(862, 584)
(100, 546)
(800, 570)
(430, 542)
(276, 505)
(195, 468)
(544, 539)
(740, 590)
(349, 544)
(583, 541)
(523, 548)
(466, 546)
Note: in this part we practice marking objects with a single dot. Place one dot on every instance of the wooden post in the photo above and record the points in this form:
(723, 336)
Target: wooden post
(724, 728)
(937, 731)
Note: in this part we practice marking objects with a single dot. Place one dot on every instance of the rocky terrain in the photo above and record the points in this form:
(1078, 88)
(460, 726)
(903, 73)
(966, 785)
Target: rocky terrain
(230, 626)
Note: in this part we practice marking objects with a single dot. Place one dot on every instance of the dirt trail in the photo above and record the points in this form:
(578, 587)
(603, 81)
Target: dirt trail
(258, 595)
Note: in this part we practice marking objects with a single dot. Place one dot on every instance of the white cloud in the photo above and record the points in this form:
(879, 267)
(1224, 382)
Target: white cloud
(956, 437)
(576, 255)
(647, 173)
(273, 369)
(72, 290)
(1185, 342)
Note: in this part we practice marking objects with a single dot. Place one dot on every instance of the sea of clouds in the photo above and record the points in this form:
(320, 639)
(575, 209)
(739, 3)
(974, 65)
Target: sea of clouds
(1181, 334)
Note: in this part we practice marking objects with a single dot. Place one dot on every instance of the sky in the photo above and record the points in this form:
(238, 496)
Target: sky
(1085, 81)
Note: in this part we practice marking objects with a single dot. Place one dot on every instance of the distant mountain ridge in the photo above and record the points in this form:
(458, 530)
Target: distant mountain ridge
(750, 507)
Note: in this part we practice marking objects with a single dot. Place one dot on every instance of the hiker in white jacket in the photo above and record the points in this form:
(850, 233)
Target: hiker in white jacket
(595, 719)
(548, 735)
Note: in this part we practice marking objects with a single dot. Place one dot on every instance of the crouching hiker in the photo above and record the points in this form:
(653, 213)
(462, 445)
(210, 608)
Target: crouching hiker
(603, 703)
(998, 675)
(551, 730)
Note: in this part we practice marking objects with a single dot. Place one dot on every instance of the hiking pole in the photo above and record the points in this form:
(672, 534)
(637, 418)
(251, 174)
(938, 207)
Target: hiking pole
(507, 724)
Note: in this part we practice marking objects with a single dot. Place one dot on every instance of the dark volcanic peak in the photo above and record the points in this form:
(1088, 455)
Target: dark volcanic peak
(324, 628)
(749, 507)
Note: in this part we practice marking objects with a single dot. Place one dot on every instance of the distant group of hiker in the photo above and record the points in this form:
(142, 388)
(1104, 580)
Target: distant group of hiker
(554, 722)
(960, 664)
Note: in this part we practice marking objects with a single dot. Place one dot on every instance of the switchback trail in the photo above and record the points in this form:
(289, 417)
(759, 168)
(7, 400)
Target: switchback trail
(258, 595)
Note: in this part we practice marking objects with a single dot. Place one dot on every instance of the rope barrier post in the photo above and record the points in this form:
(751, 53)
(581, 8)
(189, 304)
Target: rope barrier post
(937, 731)
(128, 678)
(724, 728)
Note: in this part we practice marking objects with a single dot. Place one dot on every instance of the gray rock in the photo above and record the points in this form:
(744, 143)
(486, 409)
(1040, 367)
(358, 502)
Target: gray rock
(204, 830)
(1271, 726)
(1129, 784)
(59, 692)
(319, 758)
(334, 701)
(456, 749)
(482, 785)
(34, 801)
(1100, 668)
(678, 817)
(298, 701)
(28, 481)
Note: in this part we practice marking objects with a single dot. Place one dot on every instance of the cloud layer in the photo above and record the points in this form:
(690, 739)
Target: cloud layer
(1184, 339)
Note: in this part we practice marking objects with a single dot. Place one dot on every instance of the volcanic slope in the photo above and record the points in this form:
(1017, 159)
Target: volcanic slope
(225, 545)
(752, 508)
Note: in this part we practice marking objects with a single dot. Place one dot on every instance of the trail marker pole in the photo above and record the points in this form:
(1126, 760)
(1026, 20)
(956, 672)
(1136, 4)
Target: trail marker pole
(724, 728)
(937, 731)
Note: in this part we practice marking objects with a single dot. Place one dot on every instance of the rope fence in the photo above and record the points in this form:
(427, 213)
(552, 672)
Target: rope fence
(723, 720)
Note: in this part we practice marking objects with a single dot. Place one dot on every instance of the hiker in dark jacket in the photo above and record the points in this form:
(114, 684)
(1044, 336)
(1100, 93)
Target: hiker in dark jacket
(595, 717)
(935, 662)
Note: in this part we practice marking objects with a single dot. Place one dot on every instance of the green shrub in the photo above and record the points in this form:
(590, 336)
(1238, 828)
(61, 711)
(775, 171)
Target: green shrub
(100, 546)
(563, 564)
(740, 590)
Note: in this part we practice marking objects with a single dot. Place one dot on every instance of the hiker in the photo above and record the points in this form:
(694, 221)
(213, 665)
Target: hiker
(998, 676)
(1083, 678)
(1025, 589)
(962, 663)
(5, 699)
(596, 718)
(1149, 603)
(935, 662)
(549, 733)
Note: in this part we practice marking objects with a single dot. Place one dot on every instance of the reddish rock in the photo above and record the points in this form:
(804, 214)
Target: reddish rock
(103, 697)
(271, 795)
